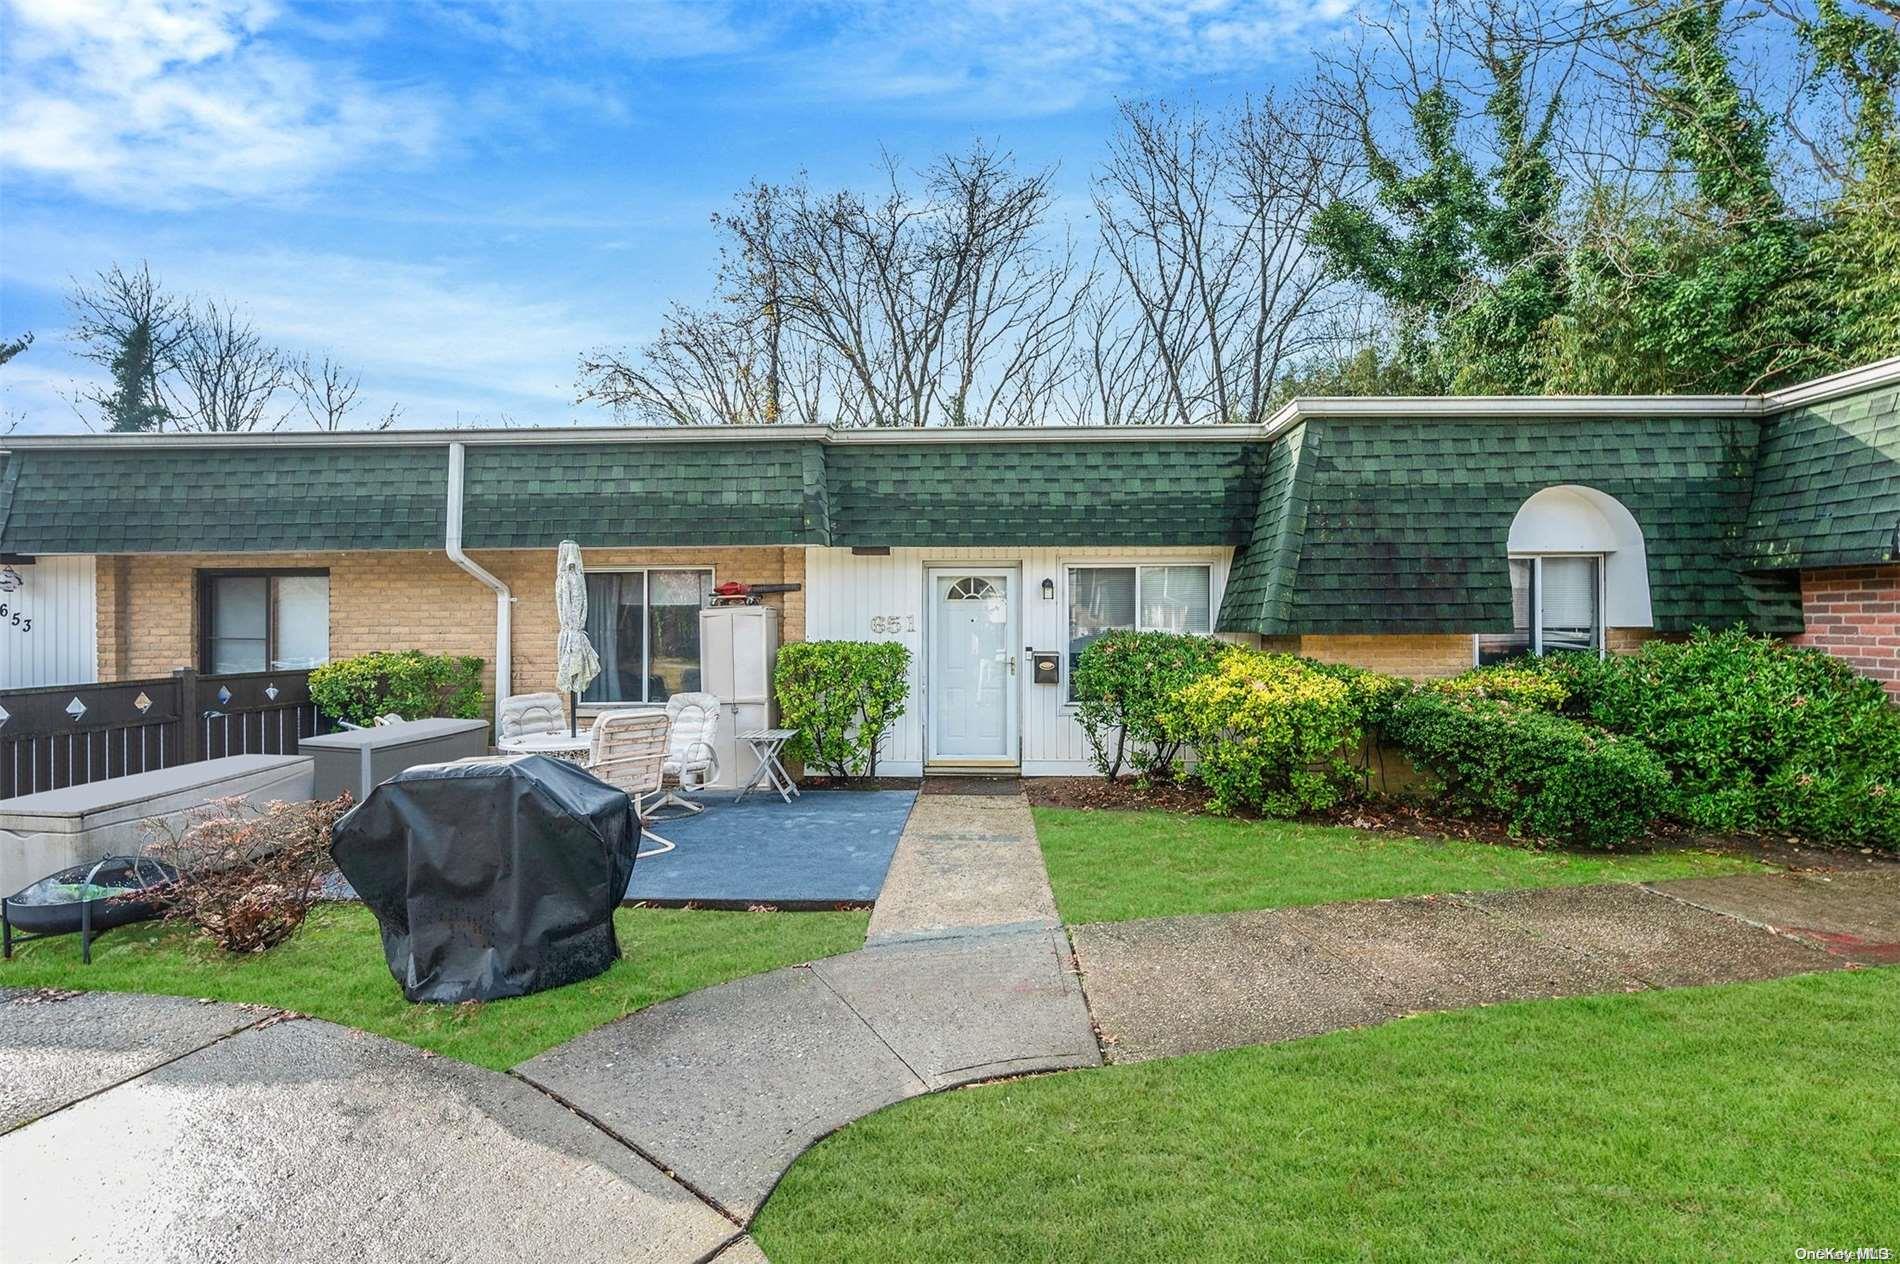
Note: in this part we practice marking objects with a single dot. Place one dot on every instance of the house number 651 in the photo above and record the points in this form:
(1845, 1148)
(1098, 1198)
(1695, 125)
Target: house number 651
(893, 624)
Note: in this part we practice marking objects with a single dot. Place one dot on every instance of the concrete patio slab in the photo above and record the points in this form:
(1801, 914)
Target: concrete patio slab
(823, 849)
(1175, 985)
(304, 1140)
(53, 1052)
(1434, 953)
(971, 1008)
(726, 1086)
(1661, 942)
(965, 861)
(1854, 915)
(742, 1251)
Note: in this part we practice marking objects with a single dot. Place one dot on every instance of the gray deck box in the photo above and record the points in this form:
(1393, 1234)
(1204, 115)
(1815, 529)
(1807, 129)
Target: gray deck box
(359, 760)
(55, 829)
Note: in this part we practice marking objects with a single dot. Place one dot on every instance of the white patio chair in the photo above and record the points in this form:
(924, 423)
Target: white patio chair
(529, 714)
(628, 751)
(692, 761)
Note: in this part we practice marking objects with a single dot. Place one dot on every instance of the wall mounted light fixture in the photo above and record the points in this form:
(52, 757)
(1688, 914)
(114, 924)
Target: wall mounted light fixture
(1048, 590)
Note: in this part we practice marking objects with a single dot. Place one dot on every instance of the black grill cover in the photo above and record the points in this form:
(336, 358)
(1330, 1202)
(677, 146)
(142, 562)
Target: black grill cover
(491, 877)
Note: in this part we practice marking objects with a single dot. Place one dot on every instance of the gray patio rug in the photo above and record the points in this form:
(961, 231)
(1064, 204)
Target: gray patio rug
(823, 849)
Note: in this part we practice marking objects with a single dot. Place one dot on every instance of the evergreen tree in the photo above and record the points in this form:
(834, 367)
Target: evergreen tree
(1716, 292)
(133, 404)
(1857, 256)
(1467, 261)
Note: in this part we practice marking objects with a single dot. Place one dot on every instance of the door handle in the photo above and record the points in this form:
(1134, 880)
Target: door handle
(1012, 664)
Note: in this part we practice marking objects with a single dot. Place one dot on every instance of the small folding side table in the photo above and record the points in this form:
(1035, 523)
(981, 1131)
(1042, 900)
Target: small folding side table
(766, 744)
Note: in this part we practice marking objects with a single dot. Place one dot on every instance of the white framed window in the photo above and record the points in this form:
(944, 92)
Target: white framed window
(264, 620)
(1160, 597)
(644, 623)
(1556, 604)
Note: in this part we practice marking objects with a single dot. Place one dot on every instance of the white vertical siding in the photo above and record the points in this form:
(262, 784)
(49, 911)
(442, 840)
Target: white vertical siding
(49, 634)
(844, 593)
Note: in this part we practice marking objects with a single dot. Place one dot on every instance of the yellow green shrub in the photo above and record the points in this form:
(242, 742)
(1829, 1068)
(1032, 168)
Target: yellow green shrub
(1270, 731)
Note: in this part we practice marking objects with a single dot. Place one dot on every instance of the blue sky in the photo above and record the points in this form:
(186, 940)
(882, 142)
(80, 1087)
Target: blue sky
(457, 199)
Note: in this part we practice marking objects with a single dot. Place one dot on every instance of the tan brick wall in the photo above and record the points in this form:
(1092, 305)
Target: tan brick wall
(1629, 640)
(1416, 655)
(1854, 614)
(148, 609)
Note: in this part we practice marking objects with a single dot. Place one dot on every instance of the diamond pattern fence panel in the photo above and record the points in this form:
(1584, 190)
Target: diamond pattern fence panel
(73, 735)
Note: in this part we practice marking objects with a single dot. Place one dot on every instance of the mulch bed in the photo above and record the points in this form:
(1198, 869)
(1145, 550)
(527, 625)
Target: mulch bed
(858, 783)
(1098, 794)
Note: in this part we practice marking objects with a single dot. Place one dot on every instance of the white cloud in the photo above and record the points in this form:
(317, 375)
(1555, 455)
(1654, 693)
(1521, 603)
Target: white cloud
(1005, 57)
(171, 104)
(645, 29)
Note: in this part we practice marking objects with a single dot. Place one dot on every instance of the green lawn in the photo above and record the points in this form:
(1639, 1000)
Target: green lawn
(334, 969)
(1727, 1123)
(1115, 866)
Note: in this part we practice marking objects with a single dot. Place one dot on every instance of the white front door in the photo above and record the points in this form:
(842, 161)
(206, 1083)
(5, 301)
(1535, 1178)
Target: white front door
(972, 668)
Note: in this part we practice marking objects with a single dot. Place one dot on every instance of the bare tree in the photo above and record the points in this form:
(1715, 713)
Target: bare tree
(225, 376)
(328, 393)
(946, 303)
(1204, 221)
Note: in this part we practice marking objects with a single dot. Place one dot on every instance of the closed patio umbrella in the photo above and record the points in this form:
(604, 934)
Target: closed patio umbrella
(575, 663)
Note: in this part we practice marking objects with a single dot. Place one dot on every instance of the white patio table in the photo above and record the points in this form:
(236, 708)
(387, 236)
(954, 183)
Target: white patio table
(559, 745)
(766, 745)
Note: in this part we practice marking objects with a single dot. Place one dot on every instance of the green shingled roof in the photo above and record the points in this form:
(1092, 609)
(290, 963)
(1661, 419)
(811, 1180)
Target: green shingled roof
(646, 494)
(1343, 524)
(1827, 485)
(187, 499)
(1396, 525)
(1260, 583)
(1123, 492)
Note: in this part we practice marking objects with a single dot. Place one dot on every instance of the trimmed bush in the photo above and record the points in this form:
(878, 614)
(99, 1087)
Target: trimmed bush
(1270, 732)
(1124, 683)
(409, 683)
(842, 697)
(1549, 775)
(1758, 734)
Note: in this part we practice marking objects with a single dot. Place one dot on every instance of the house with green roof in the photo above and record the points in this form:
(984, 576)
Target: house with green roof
(1412, 535)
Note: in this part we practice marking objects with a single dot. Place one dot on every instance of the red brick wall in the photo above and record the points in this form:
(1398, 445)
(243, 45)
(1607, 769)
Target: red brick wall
(1854, 614)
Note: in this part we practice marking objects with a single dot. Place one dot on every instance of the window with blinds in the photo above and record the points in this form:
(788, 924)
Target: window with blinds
(1556, 604)
(253, 621)
(1136, 598)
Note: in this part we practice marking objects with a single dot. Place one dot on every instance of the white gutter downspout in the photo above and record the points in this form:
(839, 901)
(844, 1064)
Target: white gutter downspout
(504, 600)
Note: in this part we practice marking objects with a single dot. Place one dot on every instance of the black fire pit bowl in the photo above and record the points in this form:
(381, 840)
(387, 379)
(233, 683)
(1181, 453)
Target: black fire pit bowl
(88, 900)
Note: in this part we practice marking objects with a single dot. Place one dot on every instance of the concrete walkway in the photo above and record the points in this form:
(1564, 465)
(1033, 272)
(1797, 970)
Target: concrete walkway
(160, 1128)
(965, 977)
(1169, 986)
(964, 862)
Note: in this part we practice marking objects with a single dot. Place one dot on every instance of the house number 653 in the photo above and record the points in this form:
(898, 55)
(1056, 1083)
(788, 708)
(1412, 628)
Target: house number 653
(893, 624)
(9, 617)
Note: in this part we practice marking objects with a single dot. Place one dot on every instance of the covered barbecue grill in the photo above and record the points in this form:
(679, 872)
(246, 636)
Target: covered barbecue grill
(491, 878)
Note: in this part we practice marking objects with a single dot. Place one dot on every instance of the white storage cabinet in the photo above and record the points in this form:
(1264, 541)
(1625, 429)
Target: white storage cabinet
(738, 649)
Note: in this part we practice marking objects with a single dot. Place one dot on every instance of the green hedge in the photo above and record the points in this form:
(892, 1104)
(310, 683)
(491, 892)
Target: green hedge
(1549, 775)
(409, 683)
(1758, 734)
(1124, 683)
(842, 697)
